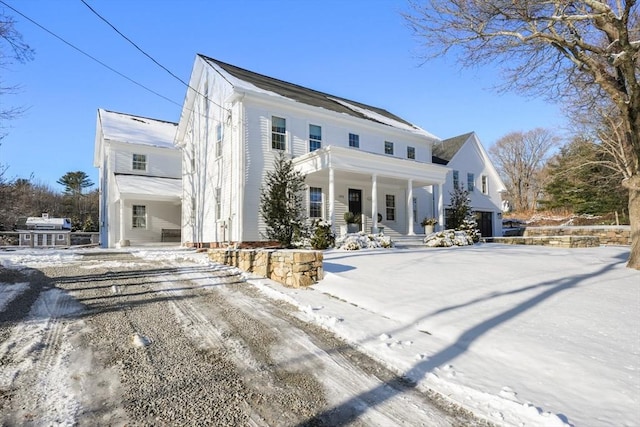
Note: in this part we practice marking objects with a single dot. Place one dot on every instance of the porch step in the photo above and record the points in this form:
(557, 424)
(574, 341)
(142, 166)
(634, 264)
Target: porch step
(408, 241)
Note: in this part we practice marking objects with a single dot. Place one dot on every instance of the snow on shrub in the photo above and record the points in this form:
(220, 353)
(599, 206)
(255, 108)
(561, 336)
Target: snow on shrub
(361, 240)
(447, 238)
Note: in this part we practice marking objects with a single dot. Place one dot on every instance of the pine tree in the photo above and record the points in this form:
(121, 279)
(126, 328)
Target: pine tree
(281, 201)
(460, 216)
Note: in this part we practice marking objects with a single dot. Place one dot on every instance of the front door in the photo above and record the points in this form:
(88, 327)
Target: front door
(485, 225)
(355, 202)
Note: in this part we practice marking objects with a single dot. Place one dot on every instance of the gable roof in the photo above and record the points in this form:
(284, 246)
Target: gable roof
(136, 129)
(249, 80)
(443, 151)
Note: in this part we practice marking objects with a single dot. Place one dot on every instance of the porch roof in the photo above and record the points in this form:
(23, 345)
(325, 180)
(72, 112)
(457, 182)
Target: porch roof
(149, 188)
(362, 162)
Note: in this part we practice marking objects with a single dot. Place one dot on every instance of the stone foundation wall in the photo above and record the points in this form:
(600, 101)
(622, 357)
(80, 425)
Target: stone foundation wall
(607, 234)
(292, 268)
(557, 241)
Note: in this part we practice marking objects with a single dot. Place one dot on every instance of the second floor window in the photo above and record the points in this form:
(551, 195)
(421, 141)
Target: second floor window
(139, 162)
(315, 202)
(388, 147)
(456, 179)
(411, 153)
(470, 182)
(219, 140)
(485, 185)
(354, 140)
(278, 133)
(315, 137)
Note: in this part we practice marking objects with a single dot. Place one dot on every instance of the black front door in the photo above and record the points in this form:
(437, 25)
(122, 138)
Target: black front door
(485, 224)
(355, 202)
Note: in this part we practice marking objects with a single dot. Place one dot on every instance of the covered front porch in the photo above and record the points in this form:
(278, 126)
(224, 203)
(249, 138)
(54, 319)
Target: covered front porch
(388, 193)
(148, 210)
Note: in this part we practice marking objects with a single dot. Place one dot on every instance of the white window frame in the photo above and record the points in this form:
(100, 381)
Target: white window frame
(276, 132)
(390, 208)
(139, 162)
(485, 184)
(411, 152)
(456, 179)
(354, 140)
(388, 148)
(219, 140)
(315, 141)
(218, 203)
(471, 184)
(318, 205)
(139, 220)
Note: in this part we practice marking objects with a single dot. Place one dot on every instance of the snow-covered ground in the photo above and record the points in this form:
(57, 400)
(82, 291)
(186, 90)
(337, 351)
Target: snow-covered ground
(520, 335)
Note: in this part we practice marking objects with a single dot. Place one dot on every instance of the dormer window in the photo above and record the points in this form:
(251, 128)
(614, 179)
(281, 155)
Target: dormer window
(139, 162)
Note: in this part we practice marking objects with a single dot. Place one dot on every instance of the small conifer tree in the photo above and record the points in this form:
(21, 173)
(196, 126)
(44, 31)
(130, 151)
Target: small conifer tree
(461, 217)
(281, 201)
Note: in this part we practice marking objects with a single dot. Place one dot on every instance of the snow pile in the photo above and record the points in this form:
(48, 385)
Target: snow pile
(448, 238)
(362, 240)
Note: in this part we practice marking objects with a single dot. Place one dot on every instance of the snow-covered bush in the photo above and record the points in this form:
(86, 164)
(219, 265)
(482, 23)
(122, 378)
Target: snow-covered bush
(362, 240)
(447, 238)
(321, 235)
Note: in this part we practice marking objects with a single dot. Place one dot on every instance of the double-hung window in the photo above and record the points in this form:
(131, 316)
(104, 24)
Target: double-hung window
(219, 139)
(485, 185)
(139, 216)
(411, 153)
(315, 137)
(354, 140)
(456, 179)
(470, 182)
(278, 133)
(388, 147)
(390, 201)
(315, 202)
(139, 162)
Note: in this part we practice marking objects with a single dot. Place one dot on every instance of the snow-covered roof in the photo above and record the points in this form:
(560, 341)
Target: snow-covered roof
(246, 80)
(137, 130)
(149, 186)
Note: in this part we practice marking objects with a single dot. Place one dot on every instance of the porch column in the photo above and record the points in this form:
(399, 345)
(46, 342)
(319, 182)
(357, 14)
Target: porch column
(332, 211)
(121, 241)
(441, 224)
(410, 231)
(374, 201)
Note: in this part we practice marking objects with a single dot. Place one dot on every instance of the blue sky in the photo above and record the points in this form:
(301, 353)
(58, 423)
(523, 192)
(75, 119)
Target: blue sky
(357, 49)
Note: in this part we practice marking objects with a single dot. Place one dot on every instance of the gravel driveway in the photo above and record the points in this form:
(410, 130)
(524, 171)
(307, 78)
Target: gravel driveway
(111, 339)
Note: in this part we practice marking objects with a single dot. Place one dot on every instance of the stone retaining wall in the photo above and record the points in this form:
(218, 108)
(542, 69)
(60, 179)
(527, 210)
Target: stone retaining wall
(292, 268)
(607, 234)
(557, 241)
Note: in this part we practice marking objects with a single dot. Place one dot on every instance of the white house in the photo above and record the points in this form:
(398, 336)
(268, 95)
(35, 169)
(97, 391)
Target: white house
(472, 170)
(139, 179)
(355, 157)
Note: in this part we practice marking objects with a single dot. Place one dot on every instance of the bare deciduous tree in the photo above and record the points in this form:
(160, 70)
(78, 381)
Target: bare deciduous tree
(520, 158)
(557, 48)
(12, 48)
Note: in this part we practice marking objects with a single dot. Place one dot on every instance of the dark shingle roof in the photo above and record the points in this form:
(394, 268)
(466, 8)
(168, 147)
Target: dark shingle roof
(303, 94)
(443, 151)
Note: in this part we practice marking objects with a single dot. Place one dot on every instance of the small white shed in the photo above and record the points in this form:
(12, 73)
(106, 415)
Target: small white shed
(46, 232)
